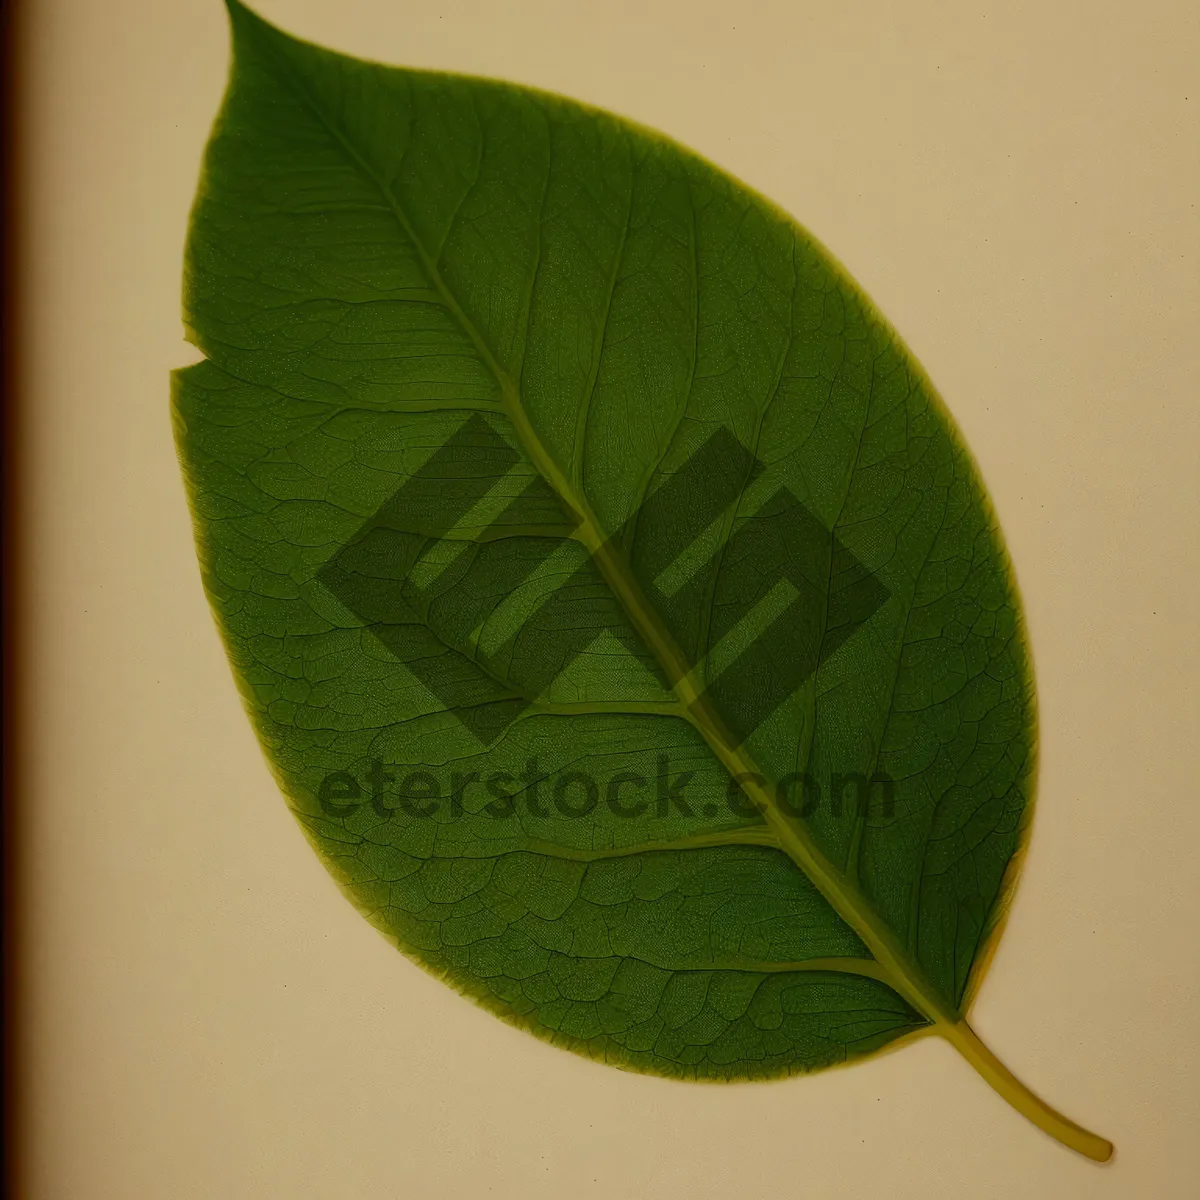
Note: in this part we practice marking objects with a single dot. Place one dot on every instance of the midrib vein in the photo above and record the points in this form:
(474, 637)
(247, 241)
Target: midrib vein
(903, 975)
(896, 969)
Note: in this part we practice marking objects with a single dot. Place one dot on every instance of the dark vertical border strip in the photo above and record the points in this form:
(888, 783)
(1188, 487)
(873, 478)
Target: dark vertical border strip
(12, 448)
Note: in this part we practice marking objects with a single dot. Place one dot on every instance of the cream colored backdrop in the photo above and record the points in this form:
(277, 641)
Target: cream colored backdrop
(1017, 188)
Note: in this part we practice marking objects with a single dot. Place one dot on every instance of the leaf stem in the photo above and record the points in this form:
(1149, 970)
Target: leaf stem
(966, 1041)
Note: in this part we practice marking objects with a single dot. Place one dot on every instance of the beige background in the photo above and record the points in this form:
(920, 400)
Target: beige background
(1016, 186)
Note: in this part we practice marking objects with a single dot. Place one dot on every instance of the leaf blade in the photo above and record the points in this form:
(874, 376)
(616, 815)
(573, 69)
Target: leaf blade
(834, 320)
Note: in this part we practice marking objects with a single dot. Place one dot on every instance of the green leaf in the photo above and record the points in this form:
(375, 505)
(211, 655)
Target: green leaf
(619, 608)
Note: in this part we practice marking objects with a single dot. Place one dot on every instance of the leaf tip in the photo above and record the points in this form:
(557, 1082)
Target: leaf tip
(241, 17)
